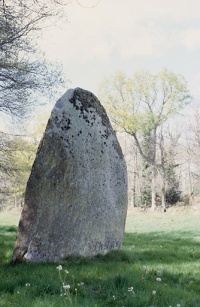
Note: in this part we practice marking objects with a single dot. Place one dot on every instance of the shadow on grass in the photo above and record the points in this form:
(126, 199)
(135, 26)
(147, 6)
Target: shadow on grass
(163, 248)
(7, 237)
(173, 257)
(153, 247)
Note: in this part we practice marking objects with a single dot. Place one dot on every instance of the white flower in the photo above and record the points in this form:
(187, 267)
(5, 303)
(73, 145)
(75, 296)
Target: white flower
(66, 286)
(59, 268)
(154, 292)
(178, 305)
(114, 297)
(81, 284)
(27, 285)
(130, 289)
(67, 272)
(158, 279)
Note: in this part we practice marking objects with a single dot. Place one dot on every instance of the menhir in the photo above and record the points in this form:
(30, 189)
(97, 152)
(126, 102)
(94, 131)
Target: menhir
(76, 196)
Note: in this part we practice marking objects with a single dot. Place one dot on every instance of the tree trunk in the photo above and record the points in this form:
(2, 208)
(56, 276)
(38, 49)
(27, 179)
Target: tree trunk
(133, 195)
(163, 172)
(154, 173)
(153, 188)
(163, 198)
(191, 187)
(163, 191)
(134, 177)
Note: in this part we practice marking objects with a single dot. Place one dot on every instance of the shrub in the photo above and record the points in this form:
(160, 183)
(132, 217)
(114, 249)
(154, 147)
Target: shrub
(173, 196)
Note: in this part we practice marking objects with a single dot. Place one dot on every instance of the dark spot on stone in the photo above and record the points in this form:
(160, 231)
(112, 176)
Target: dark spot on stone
(88, 100)
(118, 149)
(59, 182)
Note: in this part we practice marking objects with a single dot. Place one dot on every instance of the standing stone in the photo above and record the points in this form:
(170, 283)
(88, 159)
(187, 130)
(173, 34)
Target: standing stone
(76, 196)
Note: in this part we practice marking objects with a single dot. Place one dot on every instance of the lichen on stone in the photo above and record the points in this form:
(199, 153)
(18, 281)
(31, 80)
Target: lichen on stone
(88, 100)
(76, 196)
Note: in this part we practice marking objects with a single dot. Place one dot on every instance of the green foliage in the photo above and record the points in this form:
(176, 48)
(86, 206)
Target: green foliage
(19, 155)
(173, 195)
(24, 154)
(140, 106)
(25, 75)
(145, 101)
(145, 191)
(146, 196)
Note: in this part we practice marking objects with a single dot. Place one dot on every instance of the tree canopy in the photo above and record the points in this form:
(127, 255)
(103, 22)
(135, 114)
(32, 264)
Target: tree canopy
(145, 101)
(23, 71)
(141, 104)
(25, 76)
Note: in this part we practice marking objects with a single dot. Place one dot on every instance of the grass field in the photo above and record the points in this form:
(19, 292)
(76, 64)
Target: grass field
(158, 266)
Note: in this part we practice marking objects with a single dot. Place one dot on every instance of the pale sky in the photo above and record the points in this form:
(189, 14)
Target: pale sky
(127, 35)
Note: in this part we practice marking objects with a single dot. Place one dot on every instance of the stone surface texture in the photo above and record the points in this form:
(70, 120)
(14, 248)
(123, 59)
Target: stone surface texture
(76, 196)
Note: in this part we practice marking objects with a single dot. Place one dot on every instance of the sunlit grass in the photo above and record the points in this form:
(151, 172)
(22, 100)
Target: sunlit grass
(157, 268)
(9, 217)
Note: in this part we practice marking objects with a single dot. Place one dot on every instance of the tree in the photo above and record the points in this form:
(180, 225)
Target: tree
(17, 153)
(24, 74)
(140, 105)
(20, 155)
(170, 192)
(193, 153)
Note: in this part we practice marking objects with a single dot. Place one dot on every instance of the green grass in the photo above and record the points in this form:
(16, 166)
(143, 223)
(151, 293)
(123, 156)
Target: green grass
(164, 246)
